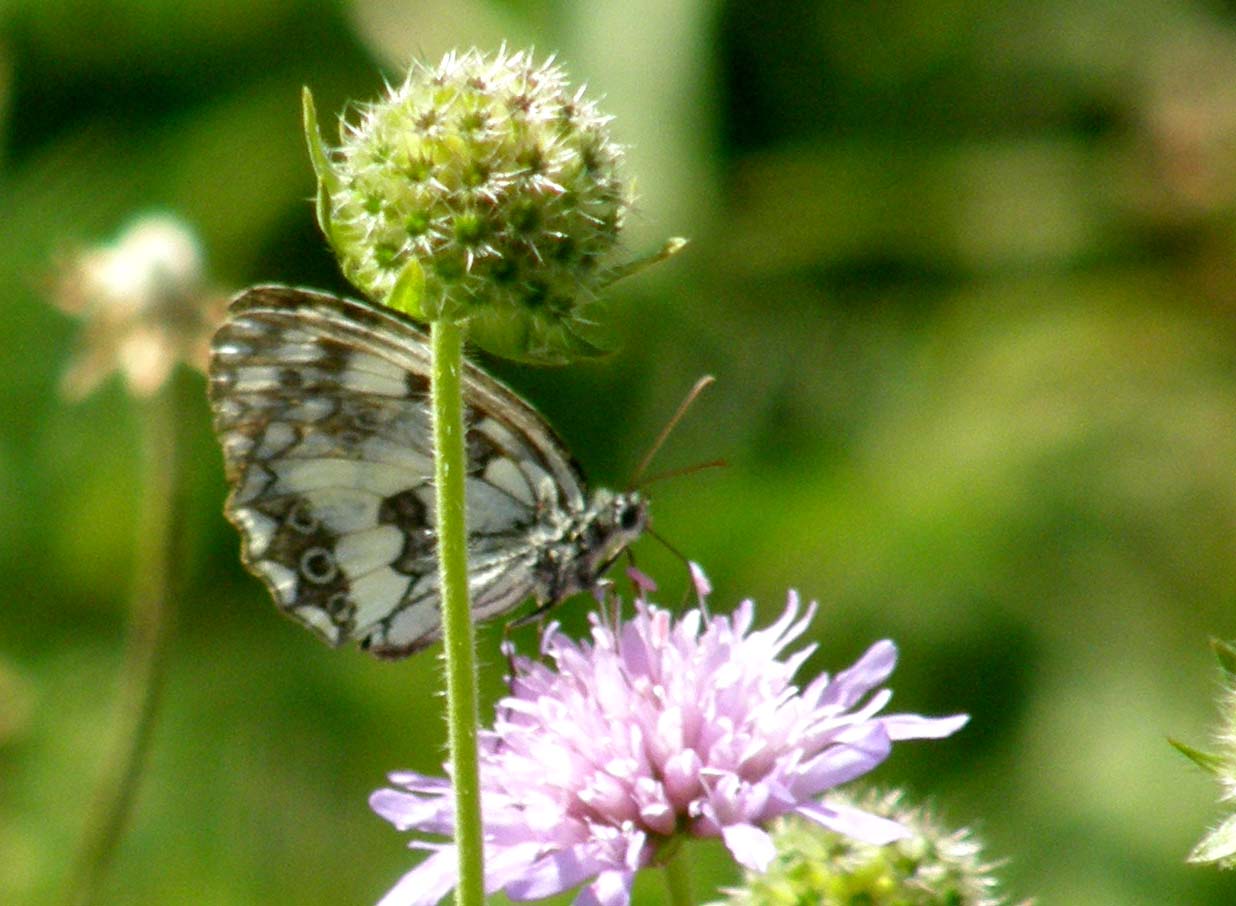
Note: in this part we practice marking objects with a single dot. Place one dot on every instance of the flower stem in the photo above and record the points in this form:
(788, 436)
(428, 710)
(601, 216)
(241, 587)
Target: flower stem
(678, 880)
(156, 583)
(450, 467)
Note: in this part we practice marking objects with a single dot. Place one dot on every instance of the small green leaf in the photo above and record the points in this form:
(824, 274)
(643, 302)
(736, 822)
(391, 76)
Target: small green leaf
(313, 137)
(581, 346)
(669, 249)
(531, 339)
(322, 207)
(1226, 654)
(1217, 846)
(408, 293)
(328, 179)
(1209, 763)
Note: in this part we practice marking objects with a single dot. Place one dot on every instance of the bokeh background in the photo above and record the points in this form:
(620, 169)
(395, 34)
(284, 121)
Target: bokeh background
(966, 273)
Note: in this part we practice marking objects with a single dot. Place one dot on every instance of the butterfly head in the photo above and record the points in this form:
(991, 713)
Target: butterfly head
(611, 523)
(626, 517)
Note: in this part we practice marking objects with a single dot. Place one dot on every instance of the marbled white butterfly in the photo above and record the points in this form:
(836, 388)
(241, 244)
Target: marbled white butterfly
(321, 405)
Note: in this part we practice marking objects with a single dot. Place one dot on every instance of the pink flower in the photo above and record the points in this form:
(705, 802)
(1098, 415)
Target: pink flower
(657, 728)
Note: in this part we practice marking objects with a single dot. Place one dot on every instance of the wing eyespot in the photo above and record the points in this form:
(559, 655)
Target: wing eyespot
(341, 609)
(318, 566)
(300, 519)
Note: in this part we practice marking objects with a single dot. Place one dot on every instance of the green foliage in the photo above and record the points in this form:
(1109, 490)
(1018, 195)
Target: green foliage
(964, 274)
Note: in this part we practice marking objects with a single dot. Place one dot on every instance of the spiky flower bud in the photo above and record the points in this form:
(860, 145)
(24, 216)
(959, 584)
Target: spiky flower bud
(485, 190)
(932, 866)
(1219, 845)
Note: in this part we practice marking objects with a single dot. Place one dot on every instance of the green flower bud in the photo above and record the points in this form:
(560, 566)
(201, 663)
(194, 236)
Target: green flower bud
(1219, 845)
(931, 867)
(482, 190)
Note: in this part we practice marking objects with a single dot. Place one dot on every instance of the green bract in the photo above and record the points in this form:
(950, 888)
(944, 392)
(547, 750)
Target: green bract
(481, 190)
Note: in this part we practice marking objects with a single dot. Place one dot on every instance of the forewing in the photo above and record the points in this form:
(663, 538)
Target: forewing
(321, 405)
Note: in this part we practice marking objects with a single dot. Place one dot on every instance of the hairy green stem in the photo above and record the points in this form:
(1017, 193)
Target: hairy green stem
(156, 583)
(450, 468)
(678, 879)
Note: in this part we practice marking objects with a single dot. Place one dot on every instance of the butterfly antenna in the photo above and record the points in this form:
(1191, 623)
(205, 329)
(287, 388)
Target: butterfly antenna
(685, 470)
(690, 398)
(649, 531)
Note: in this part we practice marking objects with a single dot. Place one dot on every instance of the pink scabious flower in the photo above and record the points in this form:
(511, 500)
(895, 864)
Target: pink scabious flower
(659, 727)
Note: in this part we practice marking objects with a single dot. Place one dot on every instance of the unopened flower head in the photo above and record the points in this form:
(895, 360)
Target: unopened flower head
(659, 728)
(1218, 846)
(930, 866)
(144, 304)
(483, 189)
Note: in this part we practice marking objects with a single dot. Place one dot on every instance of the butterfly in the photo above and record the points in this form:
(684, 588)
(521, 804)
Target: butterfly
(321, 405)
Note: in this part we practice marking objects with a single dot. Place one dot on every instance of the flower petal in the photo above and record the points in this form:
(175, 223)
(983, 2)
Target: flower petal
(641, 580)
(872, 668)
(611, 888)
(865, 748)
(854, 823)
(506, 864)
(418, 783)
(750, 846)
(703, 588)
(407, 811)
(915, 726)
(555, 872)
(426, 884)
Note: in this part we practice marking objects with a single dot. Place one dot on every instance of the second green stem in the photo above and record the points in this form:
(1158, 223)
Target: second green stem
(156, 586)
(450, 472)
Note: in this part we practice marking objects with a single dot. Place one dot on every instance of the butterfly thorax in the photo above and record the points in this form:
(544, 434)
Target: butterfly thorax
(591, 540)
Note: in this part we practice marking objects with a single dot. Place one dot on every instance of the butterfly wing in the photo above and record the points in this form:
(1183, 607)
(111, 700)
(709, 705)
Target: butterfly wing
(322, 408)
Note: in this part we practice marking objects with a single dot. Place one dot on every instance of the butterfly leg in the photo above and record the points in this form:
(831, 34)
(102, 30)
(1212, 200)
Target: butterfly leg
(535, 616)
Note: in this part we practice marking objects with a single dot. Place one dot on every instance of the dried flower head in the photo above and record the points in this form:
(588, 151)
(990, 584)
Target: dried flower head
(482, 189)
(931, 866)
(658, 729)
(144, 305)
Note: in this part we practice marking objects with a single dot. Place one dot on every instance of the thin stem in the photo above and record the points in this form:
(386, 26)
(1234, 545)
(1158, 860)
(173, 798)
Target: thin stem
(450, 465)
(678, 879)
(156, 582)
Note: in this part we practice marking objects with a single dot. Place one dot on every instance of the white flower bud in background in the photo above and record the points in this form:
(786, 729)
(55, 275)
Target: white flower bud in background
(144, 305)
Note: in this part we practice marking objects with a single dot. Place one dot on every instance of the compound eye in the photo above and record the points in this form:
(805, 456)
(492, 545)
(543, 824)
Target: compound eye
(629, 518)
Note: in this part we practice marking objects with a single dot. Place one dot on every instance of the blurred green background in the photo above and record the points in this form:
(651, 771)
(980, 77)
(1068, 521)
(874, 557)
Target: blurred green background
(966, 273)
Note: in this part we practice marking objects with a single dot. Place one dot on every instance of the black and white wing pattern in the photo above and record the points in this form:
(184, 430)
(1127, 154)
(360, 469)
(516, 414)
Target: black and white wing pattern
(321, 406)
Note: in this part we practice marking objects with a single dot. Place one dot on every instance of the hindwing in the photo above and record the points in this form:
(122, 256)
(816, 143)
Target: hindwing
(322, 408)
